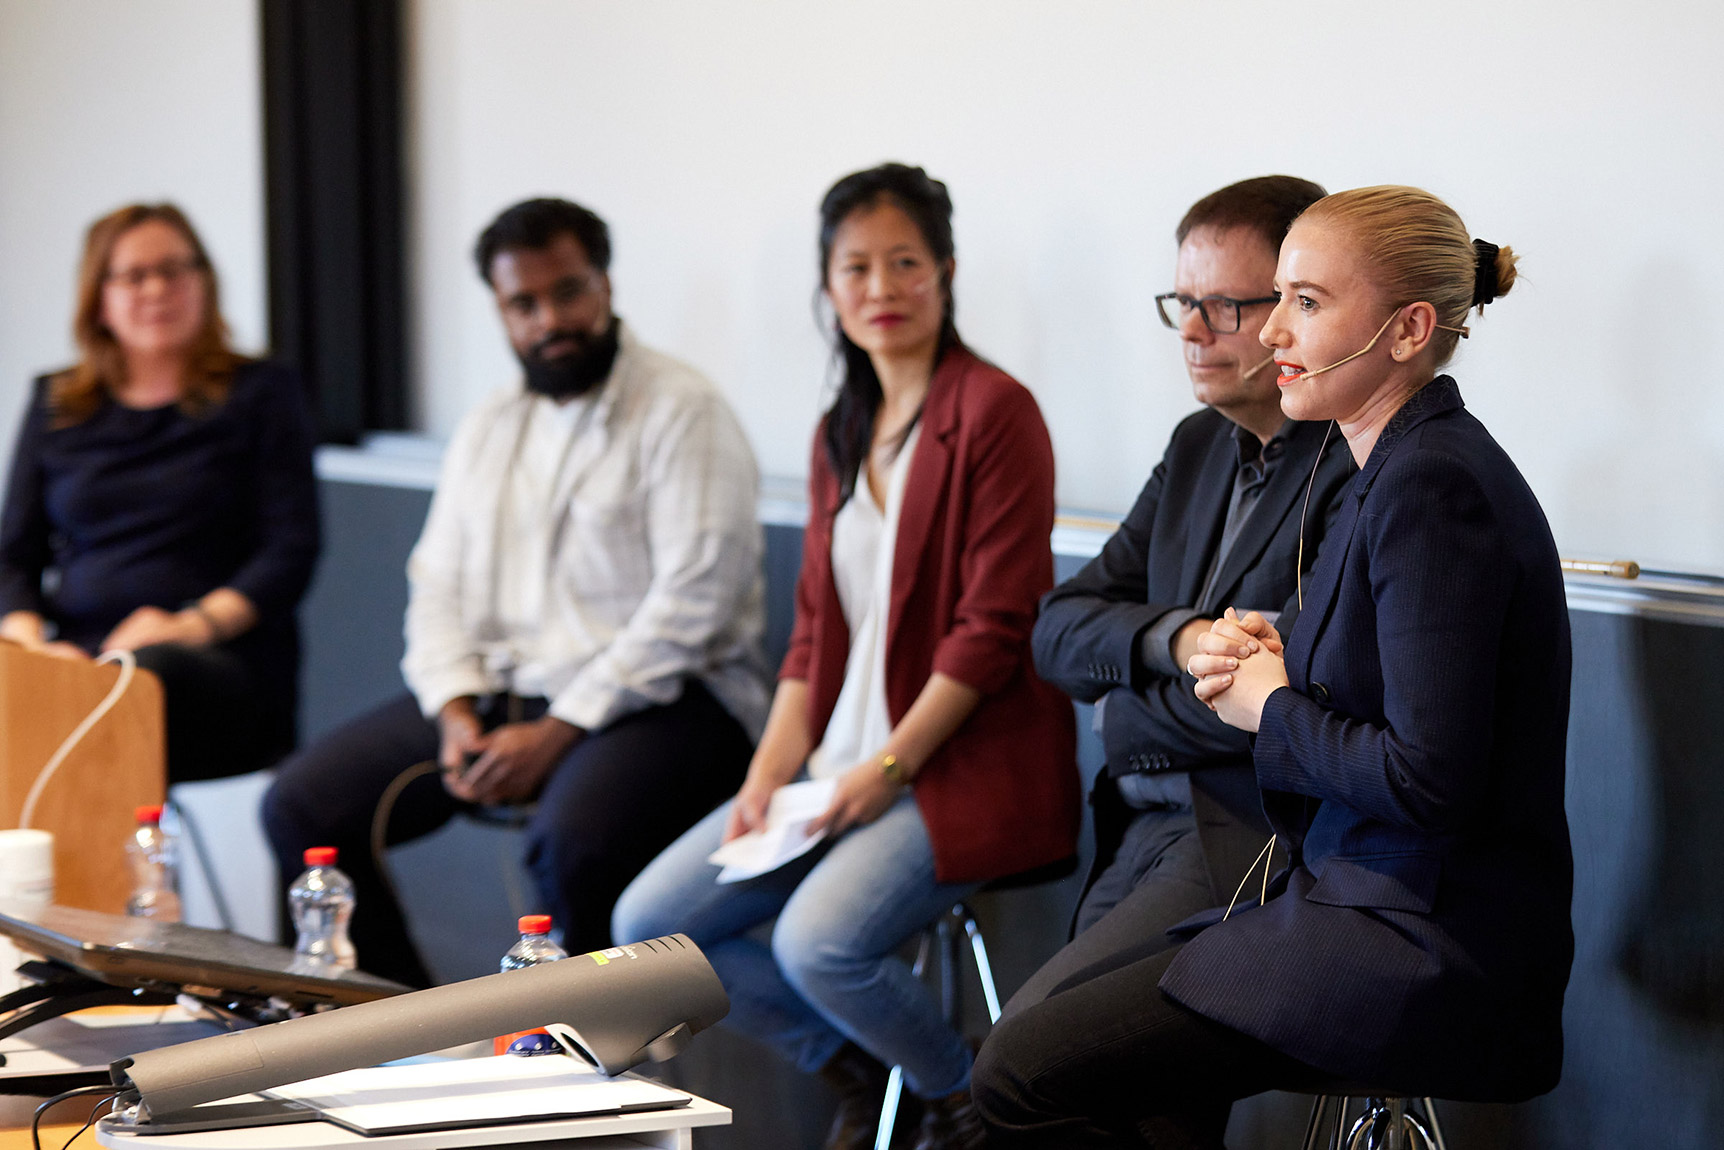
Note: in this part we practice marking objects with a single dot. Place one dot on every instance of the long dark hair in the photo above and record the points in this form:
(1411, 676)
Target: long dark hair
(849, 425)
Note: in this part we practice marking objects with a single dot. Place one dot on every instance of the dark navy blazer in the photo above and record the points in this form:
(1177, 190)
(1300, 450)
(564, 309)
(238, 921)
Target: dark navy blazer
(155, 506)
(1087, 634)
(1421, 938)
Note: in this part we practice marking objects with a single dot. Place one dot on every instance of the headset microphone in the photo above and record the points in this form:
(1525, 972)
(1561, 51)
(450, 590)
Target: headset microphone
(1355, 355)
(1253, 371)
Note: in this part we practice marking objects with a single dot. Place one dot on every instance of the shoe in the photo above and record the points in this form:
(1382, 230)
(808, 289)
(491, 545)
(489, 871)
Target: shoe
(951, 1123)
(859, 1080)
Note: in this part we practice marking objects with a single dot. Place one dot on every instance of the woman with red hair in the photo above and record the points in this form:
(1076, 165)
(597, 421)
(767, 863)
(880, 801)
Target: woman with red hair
(161, 500)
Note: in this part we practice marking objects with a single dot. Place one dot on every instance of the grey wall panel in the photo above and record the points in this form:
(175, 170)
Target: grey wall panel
(1644, 1017)
(352, 617)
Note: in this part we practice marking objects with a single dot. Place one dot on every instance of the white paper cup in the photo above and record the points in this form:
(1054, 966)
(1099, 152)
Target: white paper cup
(26, 886)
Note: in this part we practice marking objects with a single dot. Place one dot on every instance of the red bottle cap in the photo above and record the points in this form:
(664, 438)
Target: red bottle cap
(148, 814)
(319, 856)
(535, 924)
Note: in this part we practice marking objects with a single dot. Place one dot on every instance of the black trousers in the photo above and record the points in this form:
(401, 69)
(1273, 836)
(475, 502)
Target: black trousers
(619, 797)
(220, 719)
(1107, 1060)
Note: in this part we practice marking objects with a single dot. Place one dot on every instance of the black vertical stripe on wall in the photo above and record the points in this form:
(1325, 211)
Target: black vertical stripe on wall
(332, 155)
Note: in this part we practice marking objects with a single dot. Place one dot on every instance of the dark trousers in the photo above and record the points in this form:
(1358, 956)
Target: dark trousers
(619, 797)
(220, 720)
(1156, 878)
(1107, 1060)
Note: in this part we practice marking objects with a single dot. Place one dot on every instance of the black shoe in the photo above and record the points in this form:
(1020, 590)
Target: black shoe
(951, 1123)
(859, 1080)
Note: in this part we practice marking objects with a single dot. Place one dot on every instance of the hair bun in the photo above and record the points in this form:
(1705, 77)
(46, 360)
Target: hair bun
(1484, 273)
(1493, 272)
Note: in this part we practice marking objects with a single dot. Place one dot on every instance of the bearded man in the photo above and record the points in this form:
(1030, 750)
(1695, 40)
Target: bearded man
(584, 619)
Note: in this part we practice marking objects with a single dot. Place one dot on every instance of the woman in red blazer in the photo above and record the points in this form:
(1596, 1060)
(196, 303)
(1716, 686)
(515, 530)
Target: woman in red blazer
(907, 689)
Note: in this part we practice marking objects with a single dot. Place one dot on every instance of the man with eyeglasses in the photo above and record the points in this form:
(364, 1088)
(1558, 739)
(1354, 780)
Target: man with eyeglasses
(1218, 525)
(584, 620)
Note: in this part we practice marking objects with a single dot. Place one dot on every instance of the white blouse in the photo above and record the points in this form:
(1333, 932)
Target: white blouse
(864, 540)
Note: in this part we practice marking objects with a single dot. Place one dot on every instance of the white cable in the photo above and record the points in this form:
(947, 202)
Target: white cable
(128, 666)
(1262, 857)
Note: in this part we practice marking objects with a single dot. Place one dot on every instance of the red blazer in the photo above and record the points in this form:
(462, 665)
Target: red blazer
(972, 559)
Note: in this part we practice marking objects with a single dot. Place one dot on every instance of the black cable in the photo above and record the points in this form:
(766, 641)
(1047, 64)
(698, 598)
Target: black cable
(36, 1119)
(380, 819)
(90, 1121)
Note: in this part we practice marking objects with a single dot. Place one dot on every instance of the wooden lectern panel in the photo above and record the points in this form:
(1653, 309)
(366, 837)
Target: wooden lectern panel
(118, 766)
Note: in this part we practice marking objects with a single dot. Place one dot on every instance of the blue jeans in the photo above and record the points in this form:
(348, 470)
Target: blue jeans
(831, 971)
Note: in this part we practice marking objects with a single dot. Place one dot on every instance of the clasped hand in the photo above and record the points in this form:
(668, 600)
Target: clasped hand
(1238, 666)
(509, 764)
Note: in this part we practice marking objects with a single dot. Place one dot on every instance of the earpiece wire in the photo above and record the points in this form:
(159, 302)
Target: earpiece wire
(1299, 562)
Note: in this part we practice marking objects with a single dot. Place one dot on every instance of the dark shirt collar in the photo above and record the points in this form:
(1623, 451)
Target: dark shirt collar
(1251, 449)
(1438, 397)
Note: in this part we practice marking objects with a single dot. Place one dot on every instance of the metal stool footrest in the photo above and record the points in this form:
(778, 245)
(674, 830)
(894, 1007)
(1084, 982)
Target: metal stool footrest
(1386, 1123)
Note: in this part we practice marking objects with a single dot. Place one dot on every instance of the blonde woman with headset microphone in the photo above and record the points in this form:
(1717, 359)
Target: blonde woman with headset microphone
(1409, 743)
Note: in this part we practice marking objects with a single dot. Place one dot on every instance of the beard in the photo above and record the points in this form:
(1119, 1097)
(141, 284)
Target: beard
(574, 373)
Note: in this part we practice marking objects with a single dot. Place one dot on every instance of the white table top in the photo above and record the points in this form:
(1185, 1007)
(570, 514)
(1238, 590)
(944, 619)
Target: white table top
(620, 1130)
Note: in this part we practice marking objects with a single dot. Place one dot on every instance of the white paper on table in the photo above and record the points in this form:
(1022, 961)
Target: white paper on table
(482, 1091)
(785, 836)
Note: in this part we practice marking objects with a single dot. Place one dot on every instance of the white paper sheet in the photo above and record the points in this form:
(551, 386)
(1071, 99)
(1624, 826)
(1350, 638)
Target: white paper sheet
(785, 835)
(479, 1091)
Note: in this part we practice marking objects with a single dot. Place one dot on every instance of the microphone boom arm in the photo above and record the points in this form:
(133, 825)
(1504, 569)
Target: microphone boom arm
(620, 1007)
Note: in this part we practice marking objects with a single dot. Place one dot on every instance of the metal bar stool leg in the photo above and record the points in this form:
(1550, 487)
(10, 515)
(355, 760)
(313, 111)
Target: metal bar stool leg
(1359, 1134)
(1436, 1126)
(984, 969)
(1314, 1125)
(951, 995)
(895, 1080)
(1397, 1108)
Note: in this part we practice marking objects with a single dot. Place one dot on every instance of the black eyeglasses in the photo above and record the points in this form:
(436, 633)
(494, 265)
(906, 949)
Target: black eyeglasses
(172, 271)
(1220, 313)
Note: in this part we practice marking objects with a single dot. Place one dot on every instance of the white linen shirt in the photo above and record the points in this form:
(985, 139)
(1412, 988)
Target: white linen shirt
(864, 544)
(594, 551)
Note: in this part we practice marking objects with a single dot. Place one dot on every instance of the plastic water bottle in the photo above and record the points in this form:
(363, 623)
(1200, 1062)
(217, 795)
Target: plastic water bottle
(321, 901)
(155, 868)
(536, 946)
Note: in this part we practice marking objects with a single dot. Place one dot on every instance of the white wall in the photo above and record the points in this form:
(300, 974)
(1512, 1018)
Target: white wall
(103, 102)
(1073, 136)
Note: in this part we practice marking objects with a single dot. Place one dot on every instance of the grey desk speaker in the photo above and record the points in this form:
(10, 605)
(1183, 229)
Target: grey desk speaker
(620, 1007)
